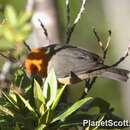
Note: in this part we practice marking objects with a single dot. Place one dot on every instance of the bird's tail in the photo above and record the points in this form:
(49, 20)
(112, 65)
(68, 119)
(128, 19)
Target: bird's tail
(116, 74)
(101, 71)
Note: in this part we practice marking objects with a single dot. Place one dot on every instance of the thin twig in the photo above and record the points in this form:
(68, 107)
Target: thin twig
(80, 12)
(108, 40)
(122, 58)
(44, 30)
(20, 85)
(89, 83)
(68, 12)
(104, 49)
(27, 46)
(98, 39)
(10, 58)
(68, 17)
(87, 88)
(107, 45)
(4, 56)
(77, 19)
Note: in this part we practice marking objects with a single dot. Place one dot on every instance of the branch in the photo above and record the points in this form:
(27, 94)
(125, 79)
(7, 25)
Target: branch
(90, 82)
(44, 30)
(104, 49)
(107, 45)
(27, 46)
(68, 17)
(77, 19)
(126, 54)
(10, 58)
(80, 12)
(88, 85)
(68, 13)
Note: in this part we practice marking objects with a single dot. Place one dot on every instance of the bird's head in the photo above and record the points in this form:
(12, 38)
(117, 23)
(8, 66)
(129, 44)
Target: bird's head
(36, 62)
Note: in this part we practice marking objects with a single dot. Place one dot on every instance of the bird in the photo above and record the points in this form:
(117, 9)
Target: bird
(71, 64)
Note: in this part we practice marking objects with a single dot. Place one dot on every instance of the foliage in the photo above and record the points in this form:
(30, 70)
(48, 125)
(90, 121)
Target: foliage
(15, 28)
(35, 107)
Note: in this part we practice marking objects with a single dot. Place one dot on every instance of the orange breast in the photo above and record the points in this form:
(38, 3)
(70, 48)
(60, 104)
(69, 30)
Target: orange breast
(36, 62)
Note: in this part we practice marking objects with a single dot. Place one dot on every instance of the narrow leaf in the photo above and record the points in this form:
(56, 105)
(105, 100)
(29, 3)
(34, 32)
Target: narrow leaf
(10, 14)
(6, 111)
(38, 96)
(24, 17)
(26, 103)
(10, 100)
(42, 109)
(72, 109)
(41, 127)
(56, 101)
(50, 84)
(8, 34)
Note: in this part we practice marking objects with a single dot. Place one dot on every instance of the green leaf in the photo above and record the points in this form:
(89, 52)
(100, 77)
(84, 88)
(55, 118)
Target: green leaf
(10, 15)
(38, 96)
(23, 33)
(42, 109)
(19, 72)
(46, 118)
(22, 80)
(72, 109)
(50, 84)
(13, 96)
(41, 127)
(10, 100)
(27, 104)
(6, 111)
(42, 119)
(56, 101)
(24, 17)
(77, 120)
(8, 34)
(25, 29)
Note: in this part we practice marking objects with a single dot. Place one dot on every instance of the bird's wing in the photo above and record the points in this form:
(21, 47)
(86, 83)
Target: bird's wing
(66, 59)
